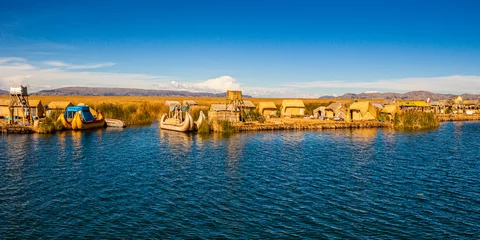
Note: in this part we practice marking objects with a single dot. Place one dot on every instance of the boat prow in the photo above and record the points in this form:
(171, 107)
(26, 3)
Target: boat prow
(200, 120)
(174, 125)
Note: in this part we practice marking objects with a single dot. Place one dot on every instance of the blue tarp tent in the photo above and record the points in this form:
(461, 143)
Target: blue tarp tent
(85, 110)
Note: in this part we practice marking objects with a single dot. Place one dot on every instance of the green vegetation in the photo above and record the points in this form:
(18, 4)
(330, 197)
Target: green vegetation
(385, 117)
(223, 127)
(50, 123)
(254, 115)
(205, 128)
(416, 121)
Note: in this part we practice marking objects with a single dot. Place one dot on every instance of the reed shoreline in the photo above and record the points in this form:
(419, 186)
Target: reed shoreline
(273, 126)
(457, 117)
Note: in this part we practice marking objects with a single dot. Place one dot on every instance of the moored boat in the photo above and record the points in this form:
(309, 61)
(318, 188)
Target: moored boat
(80, 117)
(115, 123)
(175, 124)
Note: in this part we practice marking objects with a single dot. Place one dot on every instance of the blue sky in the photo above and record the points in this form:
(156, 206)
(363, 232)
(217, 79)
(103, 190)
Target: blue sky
(265, 48)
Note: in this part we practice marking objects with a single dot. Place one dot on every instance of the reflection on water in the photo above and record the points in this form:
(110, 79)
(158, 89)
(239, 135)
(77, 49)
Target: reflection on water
(142, 181)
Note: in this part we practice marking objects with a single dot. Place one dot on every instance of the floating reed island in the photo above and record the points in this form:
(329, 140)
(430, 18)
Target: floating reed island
(308, 125)
(233, 113)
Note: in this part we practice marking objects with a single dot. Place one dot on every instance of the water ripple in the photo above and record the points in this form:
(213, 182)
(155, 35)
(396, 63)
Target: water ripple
(143, 182)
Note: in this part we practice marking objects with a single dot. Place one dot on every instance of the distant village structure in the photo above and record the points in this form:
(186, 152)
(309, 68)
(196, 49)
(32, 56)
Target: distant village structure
(292, 108)
(57, 107)
(362, 111)
(17, 109)
(336, 110)
(267, 109)
(189, 103)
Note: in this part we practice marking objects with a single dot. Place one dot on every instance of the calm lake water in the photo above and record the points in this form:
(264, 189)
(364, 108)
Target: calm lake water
(141, 182)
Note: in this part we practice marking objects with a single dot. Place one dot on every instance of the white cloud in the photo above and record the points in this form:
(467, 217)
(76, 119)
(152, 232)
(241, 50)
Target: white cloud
(11, 59)
(224, 83)
(36, 79)
(14, 71)
(56, 64)
(446, 84)
(220, 84)
(72, 66)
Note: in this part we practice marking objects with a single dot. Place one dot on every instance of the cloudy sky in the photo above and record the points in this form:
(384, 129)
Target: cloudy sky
(264, 48)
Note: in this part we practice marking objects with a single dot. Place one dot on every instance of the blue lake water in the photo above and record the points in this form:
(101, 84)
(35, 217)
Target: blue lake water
(142, 182)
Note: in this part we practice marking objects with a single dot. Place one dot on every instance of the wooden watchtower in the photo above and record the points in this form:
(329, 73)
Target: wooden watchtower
(19, 105)
(234, 98)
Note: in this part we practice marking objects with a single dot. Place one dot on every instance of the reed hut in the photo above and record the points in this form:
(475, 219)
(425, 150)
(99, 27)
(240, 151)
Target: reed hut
(378, 106)
(292, 108)
(224, 112)
(57, 106)
(471, 106)
(319, 112)
(36, 108)
(341, 114)
(267, 109)
(189, 103)
(248, 105)
(172, 103)
(414, 105)
(391, 111)
(440, 106)
(389, 102)
(4, 108)
(362, 111)
(332, 109)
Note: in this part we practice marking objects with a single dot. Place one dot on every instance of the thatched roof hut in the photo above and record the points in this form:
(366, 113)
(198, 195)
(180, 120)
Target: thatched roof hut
(4, 107)
(292, 108)
(458, 100)
(36, 108)
(414, 105)
(61, 106)
(57, 106)
(267, 109)
(334, 109)
(223, 107)
(362, 111)
(319, 112)
(378, 105)
(391, 111)
(471, 103)
(389, 102)
(189, 103)
(248, 104)
(224, 112)
(172, 103)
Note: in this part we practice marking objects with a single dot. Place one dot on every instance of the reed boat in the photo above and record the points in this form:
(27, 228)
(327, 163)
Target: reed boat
(115, 123)
(80, 118)
(200, 120)
(175, 124)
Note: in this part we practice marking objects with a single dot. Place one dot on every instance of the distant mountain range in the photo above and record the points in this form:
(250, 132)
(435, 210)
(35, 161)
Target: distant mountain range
(94, 91)
(419, 95)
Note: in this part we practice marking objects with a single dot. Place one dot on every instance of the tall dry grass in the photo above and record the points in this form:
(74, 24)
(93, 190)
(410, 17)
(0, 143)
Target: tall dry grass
(413, 120)
(131, 113)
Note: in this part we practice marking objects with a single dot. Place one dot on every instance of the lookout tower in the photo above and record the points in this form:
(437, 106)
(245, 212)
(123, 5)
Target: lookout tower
(234, 98)
(19, 106)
